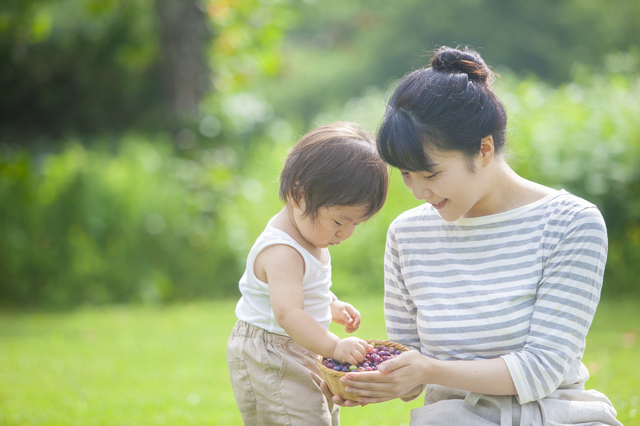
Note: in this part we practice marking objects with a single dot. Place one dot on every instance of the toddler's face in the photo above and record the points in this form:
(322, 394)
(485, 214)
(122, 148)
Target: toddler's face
(333, 225)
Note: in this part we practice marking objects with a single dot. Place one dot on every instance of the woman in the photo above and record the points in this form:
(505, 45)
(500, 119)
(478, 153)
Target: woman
(495, 279)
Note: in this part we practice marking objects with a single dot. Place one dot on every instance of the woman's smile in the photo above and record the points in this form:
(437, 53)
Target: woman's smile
(439, 205)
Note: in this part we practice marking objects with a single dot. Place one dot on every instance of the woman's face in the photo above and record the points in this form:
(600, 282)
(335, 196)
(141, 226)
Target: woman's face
(451, 188)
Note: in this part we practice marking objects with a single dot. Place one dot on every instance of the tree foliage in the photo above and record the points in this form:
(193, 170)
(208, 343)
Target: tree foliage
(161, 178)
(83, 66)
(92, 67)
(340, 47)
(147, 224)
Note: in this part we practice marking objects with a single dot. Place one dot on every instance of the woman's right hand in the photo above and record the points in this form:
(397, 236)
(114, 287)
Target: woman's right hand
(400, 377)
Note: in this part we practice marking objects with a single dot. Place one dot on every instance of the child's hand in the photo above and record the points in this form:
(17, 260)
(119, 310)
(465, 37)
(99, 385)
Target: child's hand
(344, 314)
(351, 350)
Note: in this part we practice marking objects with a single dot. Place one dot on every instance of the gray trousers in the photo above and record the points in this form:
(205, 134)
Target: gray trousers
(570, 406)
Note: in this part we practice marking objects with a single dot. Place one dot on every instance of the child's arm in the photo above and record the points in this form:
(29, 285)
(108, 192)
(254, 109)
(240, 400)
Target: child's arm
(283, 268)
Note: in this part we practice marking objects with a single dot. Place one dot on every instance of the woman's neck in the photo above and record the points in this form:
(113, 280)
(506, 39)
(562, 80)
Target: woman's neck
(505, 190)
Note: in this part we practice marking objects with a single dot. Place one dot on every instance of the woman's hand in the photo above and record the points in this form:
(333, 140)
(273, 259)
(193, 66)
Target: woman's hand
(345, 314)
(402, 376)
(337, 399)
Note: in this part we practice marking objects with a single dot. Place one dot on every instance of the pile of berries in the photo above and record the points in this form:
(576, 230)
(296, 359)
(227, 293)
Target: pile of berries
(370, 363)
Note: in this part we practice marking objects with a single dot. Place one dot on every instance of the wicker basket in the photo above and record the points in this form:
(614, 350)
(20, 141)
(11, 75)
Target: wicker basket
(332, 377)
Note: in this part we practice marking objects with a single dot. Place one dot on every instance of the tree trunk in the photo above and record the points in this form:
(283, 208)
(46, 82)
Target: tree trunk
(184, 37)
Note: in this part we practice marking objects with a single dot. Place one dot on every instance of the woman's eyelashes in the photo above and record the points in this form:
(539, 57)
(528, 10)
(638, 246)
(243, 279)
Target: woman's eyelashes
(425, 176)
(431, 176)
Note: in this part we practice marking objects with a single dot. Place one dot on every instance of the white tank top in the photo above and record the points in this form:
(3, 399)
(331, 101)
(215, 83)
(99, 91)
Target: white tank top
(254, 306)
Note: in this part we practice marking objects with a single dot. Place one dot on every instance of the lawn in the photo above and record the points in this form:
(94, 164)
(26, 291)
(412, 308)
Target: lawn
(166, 365)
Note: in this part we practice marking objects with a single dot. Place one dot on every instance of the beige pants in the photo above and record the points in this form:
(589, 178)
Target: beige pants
(275, 380)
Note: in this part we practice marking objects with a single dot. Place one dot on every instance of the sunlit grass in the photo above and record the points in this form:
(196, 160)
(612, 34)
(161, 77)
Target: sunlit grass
(613, 357)
(166, 366)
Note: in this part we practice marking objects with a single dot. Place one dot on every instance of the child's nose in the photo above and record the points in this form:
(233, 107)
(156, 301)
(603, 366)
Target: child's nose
(345, 231)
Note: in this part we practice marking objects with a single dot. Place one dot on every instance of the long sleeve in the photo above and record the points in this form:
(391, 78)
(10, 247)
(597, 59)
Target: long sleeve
(566, 301)
(400, 311)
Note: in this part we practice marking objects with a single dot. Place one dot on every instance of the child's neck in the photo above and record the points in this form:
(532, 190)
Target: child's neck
(284, 222)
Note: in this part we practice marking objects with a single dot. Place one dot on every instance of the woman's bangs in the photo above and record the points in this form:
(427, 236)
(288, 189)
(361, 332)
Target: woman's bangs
(402, 147)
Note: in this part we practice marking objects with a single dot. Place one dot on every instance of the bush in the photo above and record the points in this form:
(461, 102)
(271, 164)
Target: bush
(88, 226)
(584, 137)
(147, 224)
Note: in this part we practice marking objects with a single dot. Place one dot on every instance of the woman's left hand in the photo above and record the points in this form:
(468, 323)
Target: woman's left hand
(337, 399)
(402, 376)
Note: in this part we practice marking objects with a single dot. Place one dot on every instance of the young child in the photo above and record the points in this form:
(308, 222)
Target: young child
(332, 181)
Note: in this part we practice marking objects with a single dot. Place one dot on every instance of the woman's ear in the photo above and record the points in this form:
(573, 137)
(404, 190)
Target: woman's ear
(486, 150)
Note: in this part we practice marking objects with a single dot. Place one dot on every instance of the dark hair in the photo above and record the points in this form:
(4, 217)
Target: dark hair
(449, 106)
(335, 165)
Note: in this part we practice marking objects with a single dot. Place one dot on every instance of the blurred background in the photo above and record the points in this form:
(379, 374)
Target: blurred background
(141, 140)
(140, 147)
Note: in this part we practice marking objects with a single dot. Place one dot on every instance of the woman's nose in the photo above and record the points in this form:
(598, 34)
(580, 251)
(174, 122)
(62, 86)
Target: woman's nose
(421, 192)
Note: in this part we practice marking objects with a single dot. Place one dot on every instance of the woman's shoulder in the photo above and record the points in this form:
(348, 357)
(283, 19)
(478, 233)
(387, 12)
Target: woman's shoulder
(418, 216)
(566, 210)
(566, 203)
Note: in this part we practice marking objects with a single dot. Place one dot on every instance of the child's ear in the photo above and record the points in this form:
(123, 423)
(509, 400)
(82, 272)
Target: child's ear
(297, 196)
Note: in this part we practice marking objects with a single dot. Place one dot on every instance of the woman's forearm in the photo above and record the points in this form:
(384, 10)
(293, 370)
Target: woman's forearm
(488, 376)
(402, 376)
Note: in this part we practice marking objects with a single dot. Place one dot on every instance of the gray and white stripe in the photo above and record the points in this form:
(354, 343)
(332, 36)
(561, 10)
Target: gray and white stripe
(523, 285)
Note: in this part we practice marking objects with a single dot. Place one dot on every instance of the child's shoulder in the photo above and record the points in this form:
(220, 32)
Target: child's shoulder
(272, 235)
(284, 255)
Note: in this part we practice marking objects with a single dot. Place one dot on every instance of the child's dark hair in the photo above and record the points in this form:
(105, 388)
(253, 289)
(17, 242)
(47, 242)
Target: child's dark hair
(335, 165)
(449, 106)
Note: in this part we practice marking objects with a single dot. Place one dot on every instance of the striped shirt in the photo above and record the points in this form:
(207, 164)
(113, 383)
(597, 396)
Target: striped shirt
(522, 285)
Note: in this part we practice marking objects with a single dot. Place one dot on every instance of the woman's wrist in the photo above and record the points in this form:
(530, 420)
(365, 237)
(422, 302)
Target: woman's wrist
(413, 394)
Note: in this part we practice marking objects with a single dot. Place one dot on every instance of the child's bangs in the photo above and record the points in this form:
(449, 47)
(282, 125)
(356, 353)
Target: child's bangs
(369, 191)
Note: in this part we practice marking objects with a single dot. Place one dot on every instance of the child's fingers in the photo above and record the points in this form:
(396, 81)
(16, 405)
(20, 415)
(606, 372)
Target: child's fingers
(364, 347)
(358, 355)
(349, 328)
(346, 315)
(355, 315)
(352, 311)
(356, 322)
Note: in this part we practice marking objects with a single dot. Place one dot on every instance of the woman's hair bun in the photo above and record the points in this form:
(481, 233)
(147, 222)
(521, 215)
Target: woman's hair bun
(466, 61)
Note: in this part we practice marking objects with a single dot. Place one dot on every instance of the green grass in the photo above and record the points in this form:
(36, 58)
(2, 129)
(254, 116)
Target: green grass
(166, 366)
